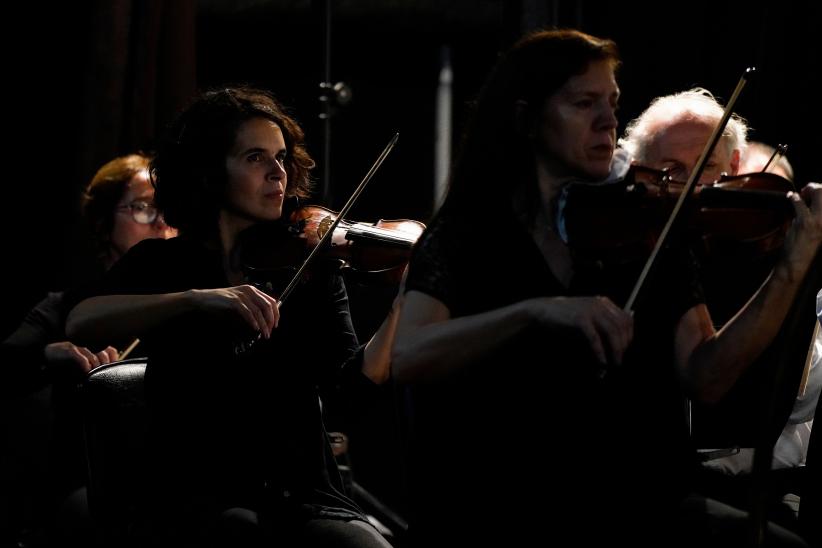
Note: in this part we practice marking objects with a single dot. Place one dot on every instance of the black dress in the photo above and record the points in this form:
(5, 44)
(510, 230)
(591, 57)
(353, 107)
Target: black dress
(241, 429)
(24, 364)
(47, 397)
(528, 441)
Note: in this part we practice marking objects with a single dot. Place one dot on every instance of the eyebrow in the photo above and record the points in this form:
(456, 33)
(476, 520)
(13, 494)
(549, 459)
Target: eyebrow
(262, 150)
(592, 94)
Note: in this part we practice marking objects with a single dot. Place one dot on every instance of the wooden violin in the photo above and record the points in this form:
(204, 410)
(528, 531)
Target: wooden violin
(621, 222)
(378, 250)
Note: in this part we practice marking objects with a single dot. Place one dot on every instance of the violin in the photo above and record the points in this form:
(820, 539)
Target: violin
(384, 245)
(619, 223)
(378, 250)
(269, 253)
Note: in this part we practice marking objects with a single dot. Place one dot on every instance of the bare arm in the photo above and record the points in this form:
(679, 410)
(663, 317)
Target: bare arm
(377, 356)
(113, 317)
(429, 344)
(711, 362)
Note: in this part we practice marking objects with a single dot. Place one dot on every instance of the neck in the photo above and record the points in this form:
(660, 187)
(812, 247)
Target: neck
(229, 227)
(550, 185)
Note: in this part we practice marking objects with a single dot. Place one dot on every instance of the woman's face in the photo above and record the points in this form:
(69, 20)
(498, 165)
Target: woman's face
(576, 131)
(132, 211)
(256, 175)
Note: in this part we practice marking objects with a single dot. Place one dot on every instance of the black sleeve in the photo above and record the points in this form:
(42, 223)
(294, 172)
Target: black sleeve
(21, 354)
(433, 268)
(347, 393)
(144, 270)
(682, 267)
(344, 354)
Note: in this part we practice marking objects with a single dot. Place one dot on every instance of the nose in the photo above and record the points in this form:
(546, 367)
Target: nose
(611, 119)
(276, 171)
(160, 222)
(607, 119)
(163, 230)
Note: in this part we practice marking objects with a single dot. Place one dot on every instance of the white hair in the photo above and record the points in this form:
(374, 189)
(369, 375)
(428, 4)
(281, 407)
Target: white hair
(696, 104)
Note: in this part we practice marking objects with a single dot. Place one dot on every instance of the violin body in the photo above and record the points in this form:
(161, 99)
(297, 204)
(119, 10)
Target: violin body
(271, 253)
(619, 223)
(377, 247)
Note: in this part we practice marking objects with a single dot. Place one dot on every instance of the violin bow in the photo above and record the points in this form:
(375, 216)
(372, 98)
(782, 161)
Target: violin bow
(780, 151)
(343, 212)
(689, 188)
(124, 354)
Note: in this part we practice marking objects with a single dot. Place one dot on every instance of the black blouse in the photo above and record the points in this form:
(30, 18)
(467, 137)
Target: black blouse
(480, 434)
(243, 428)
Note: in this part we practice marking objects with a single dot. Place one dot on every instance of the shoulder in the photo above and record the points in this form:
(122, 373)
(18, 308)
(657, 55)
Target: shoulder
(173, 250)
(49, 311)
(439, 258)
(158, 266)
(445, 237)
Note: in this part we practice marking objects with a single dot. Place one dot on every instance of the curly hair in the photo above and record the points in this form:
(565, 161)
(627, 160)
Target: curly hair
(189, 171)
(105, 191)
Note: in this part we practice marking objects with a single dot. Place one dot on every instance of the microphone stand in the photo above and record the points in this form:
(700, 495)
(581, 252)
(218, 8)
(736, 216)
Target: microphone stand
(332, 96)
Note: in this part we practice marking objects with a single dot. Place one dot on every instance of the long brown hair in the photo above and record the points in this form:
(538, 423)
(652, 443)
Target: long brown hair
(494, 146)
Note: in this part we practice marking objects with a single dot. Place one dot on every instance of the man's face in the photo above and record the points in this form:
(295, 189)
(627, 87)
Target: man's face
(678, 146)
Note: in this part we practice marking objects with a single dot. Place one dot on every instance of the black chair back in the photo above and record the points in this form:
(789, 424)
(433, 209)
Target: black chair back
(115, 420)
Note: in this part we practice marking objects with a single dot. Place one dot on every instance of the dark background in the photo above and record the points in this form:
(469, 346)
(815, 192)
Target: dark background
(90, 81)
(86, 82)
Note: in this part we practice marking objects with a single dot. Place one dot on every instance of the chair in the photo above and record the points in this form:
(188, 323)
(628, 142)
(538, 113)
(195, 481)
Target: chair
(115, 421)
(756, 410)
(388, 522)
(810, 507)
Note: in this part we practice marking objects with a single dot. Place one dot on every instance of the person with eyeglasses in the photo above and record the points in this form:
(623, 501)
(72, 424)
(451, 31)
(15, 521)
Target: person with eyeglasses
(41, 364)
(134, 216)
(118, 204)
(670, 134)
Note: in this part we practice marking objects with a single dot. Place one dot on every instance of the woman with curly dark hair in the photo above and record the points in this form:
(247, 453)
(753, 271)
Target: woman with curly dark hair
(239, 452)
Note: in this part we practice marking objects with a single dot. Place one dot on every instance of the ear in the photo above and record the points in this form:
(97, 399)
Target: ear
(735, 162)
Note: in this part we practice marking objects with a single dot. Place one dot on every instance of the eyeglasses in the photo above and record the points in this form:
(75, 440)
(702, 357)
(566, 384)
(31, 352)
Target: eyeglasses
(142, 212)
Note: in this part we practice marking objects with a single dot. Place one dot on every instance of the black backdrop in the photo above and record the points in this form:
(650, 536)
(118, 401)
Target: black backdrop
(77, 94)
(58, 124)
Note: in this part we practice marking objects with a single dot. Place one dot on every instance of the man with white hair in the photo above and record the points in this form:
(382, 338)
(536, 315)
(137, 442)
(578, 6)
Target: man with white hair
(671, 133)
